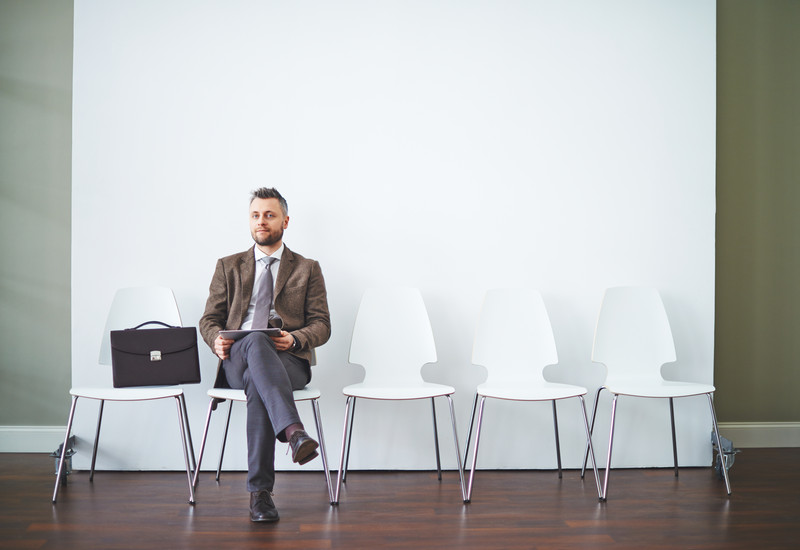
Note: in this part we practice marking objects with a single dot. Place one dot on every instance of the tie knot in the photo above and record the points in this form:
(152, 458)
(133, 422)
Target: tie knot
(268, 260)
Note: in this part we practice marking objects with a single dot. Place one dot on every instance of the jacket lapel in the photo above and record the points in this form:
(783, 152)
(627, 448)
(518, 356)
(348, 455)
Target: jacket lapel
(285, 268)
(247, 273)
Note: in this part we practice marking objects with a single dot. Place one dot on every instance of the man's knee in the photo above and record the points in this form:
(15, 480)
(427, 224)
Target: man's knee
(257, 339)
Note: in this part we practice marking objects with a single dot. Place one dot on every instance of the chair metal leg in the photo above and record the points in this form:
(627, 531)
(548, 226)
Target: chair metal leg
(182, 423)
(96, 439)
(469, 432)
(349, 440)
(188, 432)
(436, 440)
(719, 444)
(322, 448)
(674, 439)
(203, 443)
(558, 444)
(468, 496)
(591, 430)
(224, 439)
(458, 451)
(610, 444)
(340, 474)
(64, 447)
(591, 448)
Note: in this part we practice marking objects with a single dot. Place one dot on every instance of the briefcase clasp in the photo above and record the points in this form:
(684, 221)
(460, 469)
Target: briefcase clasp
(155, 355)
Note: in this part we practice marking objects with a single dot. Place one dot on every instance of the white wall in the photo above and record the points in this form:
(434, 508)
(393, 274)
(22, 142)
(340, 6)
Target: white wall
(454, 146)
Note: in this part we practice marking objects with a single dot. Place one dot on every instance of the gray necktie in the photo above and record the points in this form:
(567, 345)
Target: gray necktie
(264, 298)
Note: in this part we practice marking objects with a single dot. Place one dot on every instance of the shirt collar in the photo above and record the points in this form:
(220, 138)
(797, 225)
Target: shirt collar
(260, 254)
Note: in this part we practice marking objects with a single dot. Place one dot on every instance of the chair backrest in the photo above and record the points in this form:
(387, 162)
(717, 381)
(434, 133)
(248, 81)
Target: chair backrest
(514, 339)
(392, 336)
(632, 337)
(135, 305)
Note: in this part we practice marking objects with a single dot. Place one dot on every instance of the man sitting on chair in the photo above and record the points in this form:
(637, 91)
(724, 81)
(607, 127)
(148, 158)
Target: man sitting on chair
(267, 285)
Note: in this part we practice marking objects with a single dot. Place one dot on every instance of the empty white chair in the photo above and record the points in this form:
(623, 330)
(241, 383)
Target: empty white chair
(633, 340)
(514, 341)
(392, 339)
(131, 307)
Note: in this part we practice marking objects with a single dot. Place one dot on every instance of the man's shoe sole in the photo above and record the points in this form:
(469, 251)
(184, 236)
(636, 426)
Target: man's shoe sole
(309, 458)
(306, 452)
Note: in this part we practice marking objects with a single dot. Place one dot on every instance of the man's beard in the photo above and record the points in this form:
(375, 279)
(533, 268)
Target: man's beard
(271, 239)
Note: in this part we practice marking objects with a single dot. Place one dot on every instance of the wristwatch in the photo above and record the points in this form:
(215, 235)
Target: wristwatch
(295, 344)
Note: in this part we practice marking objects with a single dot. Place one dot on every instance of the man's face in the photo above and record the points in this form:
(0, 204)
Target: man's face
(267, 222)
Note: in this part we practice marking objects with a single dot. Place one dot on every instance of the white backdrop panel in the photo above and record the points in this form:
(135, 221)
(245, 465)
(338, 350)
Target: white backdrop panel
(454, 146)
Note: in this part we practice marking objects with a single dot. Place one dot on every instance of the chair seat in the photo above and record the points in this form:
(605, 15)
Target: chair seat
(305, 394)
(423, 390)
(520, 392)
(657, 388)
(140, 393)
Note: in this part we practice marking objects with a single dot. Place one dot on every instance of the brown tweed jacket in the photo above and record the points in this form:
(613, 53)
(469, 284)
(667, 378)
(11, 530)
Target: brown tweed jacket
(300, 300)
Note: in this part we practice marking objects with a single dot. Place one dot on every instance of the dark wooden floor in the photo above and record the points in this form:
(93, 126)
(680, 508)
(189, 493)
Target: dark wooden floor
(647, 508)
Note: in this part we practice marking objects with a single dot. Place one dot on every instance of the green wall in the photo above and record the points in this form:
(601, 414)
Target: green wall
(35, 185)
(757, 365)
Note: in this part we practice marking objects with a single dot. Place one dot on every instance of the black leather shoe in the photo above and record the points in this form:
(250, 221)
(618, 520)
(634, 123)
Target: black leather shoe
(262, 508)
(304, 449)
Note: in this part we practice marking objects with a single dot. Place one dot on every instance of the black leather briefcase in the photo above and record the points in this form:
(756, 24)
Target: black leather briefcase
(155, 356)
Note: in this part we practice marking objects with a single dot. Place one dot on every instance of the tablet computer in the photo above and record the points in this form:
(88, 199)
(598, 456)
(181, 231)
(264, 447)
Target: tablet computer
(237, 334)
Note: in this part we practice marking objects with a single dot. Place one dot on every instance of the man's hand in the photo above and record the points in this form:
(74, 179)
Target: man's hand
(222, 347)
(284, 342)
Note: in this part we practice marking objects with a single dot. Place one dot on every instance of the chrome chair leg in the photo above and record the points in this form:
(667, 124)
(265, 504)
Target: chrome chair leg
(591, 448)
(719, 444)
(558, 444)
(340, 474)
(224, 440)
(458, 451)
(610, 444)
(436, 440)
(349, 440)
(322, 447)
(64, 447)
(203, 443)
(96, 439)
(674, 439)
(591, 430)
(188, 432)
(475, 450)
(182, 423)
(469, 432)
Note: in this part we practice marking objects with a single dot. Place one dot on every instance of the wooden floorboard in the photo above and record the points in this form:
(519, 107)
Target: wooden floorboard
(647, 508)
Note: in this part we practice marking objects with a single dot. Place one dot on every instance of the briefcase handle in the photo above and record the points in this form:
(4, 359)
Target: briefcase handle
(152, 323)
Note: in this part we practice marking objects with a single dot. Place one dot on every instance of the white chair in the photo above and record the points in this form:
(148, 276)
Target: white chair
(131, 307)
(514, 341)
(392, 339)
(218, 395)
(633, 340)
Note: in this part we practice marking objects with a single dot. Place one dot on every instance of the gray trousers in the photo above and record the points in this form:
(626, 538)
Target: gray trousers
(268, 378)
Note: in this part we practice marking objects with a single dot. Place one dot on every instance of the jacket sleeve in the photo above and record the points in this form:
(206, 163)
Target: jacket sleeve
(317, 328)
(215, 315)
